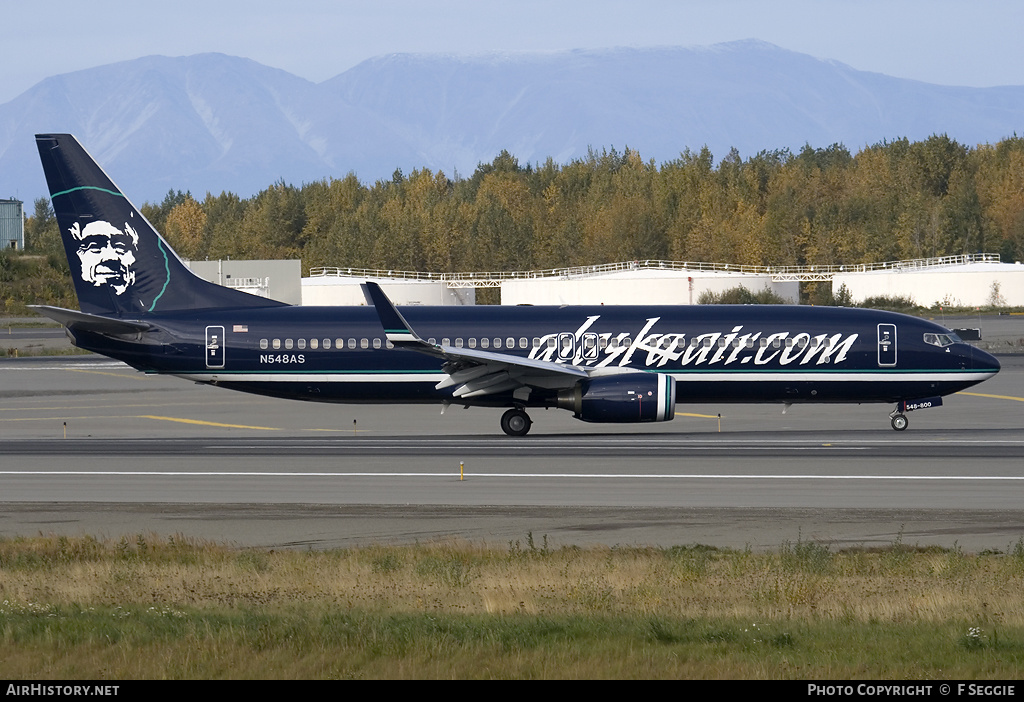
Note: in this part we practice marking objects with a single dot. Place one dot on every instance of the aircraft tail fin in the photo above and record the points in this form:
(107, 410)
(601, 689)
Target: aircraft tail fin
(119, 263)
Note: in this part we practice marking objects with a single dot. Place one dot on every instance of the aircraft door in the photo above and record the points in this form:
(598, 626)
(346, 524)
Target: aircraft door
(215, 347)
(886, 344)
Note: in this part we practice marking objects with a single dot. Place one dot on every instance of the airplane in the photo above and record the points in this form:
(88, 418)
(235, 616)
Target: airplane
(140, 304)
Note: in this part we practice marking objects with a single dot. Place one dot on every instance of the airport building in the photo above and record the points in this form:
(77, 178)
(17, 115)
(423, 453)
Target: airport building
(340, 286)
(12, 225)
(277, 280)
(973, 280)
(976, 280)
(628, 283)
(641, 283)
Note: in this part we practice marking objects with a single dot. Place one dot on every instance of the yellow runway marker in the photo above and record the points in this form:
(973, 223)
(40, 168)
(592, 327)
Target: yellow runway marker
(62, 418)
(65, 408)
(994, 397)
(701, 416)
(132, 374)
(208, 424)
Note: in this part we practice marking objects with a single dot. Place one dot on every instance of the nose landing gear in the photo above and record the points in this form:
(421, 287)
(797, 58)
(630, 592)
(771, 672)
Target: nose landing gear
(897, 417)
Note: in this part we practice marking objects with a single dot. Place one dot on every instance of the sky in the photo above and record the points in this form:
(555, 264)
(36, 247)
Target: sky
(949, 42)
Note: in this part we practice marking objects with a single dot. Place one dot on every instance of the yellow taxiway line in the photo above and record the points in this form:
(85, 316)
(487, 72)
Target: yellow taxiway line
(993, 397)
(204, 423)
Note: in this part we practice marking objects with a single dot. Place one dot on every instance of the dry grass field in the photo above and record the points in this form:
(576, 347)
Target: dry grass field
(148, 607)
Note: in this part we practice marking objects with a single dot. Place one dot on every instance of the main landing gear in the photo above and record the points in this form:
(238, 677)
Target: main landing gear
(515, 422)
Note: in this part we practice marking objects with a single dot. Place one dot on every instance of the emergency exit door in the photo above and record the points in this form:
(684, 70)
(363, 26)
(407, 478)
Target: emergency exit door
(886, 344)
(215, 347)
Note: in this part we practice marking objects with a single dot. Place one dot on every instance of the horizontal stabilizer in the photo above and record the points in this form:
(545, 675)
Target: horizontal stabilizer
(73, 319)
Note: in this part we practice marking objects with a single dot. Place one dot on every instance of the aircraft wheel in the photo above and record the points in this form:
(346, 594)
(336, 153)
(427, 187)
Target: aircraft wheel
(515, 422)
(899, 422)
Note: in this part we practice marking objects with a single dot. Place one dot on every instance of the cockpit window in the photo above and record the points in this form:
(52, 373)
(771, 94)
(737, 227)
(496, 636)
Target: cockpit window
(941, 339)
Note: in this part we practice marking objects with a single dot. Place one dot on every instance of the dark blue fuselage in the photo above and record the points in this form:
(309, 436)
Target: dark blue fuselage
(716, 353)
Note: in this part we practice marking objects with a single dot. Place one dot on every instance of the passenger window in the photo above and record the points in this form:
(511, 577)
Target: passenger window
(389, 345)
(364, 343)
(472, 343)
(485, 342)
(264, 343)
(351, 343)
(327, 343)
(277, 343)
(458, 343)
(524, 342)
(313, 343)
(376, 343)
(567, 342)
(301, 343)
(497, 343)
(340, 344)
(510, 343)
(287, 343)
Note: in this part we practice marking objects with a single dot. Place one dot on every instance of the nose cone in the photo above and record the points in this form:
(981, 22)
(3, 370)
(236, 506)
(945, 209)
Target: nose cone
(984, 361)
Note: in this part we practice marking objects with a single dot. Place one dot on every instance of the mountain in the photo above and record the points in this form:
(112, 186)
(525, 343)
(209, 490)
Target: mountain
(212, 122)
(206, 122)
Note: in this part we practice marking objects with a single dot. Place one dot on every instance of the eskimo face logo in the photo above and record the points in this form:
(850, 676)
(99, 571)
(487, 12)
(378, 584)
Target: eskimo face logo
(107, 254)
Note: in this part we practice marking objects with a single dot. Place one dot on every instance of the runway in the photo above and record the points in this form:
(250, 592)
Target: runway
(90, 446)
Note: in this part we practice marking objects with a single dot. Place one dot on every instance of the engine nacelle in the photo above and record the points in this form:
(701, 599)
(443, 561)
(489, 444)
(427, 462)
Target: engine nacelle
(632, 397)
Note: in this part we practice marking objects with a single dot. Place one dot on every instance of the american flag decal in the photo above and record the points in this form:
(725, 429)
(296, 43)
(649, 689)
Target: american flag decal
(240, 328)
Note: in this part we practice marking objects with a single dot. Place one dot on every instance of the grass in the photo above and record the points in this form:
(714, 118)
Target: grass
(43, 351)
(148, 607)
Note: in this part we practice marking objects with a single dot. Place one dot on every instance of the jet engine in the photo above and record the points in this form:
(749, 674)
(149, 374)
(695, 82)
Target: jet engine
(630, 397)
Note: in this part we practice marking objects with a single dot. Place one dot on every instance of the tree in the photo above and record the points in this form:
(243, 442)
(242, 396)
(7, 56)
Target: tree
(41, 234)
(185, 229)
(157, 214)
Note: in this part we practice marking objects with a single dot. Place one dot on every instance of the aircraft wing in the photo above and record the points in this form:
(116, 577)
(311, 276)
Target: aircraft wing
(73, 319)
(475, 372)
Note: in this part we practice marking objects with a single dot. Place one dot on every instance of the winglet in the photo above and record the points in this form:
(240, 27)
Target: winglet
(395, 326)
(401, 335)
